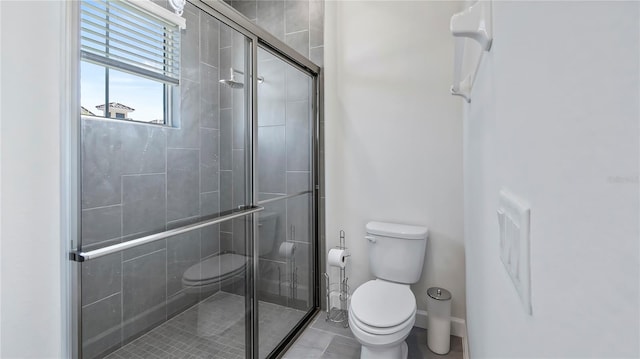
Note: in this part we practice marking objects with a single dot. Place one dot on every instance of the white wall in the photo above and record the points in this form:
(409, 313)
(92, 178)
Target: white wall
(0, 182)
(554, 118)
(393, 133)
(30, 257)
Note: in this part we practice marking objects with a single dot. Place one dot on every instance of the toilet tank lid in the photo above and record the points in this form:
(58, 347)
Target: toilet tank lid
(397, 230)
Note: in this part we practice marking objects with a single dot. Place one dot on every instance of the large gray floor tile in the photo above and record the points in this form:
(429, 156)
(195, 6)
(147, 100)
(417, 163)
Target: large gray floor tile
(321, 324)
(340, 344)
(417, 342)
(342, 347)
(311, 344)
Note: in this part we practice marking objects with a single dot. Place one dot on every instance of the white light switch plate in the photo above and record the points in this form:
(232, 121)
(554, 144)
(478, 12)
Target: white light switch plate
(514, 216)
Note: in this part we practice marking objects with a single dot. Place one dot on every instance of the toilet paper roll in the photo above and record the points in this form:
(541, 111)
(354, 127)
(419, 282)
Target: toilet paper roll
(287, 249)
(337, 257)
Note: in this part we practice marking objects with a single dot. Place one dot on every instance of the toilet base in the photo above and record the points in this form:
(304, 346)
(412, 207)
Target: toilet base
(399, 351)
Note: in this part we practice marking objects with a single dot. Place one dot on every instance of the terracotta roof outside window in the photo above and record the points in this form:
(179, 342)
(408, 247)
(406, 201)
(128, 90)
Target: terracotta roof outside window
(116, 106)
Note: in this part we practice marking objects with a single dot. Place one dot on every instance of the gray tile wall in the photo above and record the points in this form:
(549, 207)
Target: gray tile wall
(298, 23)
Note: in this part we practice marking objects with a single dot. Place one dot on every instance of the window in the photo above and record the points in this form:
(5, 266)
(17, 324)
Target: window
(130, 66)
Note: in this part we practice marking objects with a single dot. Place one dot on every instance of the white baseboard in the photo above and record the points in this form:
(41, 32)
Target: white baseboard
(458, 325)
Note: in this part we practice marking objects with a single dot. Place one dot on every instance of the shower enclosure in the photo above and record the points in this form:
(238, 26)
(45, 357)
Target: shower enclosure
(198, 234)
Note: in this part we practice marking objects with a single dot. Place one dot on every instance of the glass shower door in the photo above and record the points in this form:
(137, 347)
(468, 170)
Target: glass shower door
(185, 291)
(198, 234)
(286, 239)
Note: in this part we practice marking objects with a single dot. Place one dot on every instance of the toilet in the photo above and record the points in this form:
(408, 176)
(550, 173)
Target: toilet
(225, 268)
(382, 311)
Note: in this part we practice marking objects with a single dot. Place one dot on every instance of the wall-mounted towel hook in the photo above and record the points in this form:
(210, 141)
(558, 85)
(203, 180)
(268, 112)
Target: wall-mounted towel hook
(462, 88)
(474, 23)
(461, 94)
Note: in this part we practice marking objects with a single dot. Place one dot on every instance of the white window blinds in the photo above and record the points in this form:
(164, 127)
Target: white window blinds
(123, 35)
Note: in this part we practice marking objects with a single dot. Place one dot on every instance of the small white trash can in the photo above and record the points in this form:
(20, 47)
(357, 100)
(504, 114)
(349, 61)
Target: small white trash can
(439, 315)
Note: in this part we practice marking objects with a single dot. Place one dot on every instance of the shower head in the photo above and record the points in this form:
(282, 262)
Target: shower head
(231, 82)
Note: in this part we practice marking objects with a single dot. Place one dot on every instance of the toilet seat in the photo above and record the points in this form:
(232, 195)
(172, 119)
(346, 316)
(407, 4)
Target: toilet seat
(393, 335)
(383, 307)
(214, 270)
(353, 320)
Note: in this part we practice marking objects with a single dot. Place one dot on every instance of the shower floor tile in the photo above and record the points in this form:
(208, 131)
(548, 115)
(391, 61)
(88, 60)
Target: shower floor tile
(214, 328)
(321, 340)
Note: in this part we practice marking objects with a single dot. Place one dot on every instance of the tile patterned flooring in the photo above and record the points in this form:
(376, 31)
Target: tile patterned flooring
(215, 328)
(322, 340)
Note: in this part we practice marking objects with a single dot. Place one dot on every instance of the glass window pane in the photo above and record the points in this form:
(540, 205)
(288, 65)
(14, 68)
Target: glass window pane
(135, 98)
(92, 88)
(131, 97)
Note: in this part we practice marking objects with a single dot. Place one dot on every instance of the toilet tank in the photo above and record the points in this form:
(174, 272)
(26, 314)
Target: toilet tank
(396, 251)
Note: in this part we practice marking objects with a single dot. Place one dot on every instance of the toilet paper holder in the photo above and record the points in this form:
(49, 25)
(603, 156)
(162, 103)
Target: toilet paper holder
(287, 251)
(338, 294)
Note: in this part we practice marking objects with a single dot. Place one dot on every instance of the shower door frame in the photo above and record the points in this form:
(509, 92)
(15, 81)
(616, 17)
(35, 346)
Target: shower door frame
(72, 165)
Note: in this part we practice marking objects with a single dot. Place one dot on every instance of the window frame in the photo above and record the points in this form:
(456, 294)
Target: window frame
(170, 90)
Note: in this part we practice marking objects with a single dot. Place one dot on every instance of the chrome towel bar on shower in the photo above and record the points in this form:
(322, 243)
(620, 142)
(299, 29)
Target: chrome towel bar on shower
(80, 256)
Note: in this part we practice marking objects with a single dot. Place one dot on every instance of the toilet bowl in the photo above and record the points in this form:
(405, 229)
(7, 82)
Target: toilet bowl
(224, 268)
(382, 311)
(381, 317)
